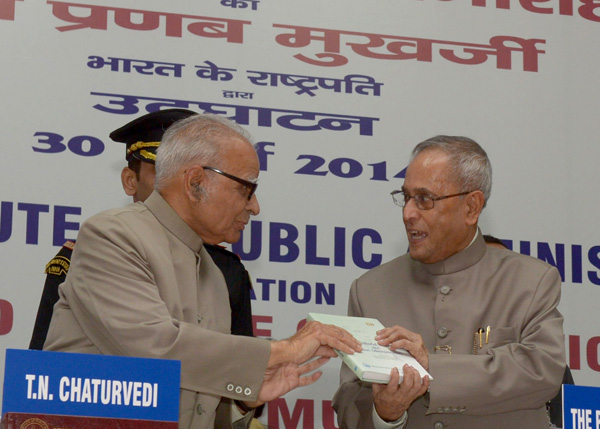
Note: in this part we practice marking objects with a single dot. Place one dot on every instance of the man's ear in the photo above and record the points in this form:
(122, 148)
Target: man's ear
(129, 181)
(193, 181)
(475, 201)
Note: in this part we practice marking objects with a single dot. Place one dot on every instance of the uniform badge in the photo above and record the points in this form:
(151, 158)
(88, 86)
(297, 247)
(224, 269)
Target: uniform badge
(58, 266)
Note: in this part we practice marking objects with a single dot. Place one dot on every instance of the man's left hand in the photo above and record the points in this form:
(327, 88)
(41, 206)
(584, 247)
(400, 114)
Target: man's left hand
(393, 399)
(398, 337)
(280, 379)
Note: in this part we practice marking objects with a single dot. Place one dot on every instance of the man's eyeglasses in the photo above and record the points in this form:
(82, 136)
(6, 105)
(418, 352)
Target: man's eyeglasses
(250, 185)
(423, 202)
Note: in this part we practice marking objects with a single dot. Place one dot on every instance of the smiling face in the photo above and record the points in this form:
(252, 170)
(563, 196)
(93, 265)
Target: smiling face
(448, 228)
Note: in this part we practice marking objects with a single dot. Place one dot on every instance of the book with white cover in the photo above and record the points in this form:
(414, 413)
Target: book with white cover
(375, 362)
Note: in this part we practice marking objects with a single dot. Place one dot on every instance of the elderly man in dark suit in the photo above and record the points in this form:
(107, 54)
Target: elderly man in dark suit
(483, 321)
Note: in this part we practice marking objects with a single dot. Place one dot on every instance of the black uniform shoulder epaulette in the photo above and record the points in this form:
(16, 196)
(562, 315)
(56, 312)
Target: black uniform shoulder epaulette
(59, 265)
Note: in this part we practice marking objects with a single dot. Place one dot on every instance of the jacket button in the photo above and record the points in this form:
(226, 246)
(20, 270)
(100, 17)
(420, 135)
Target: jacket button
(199, 409)
(445, 290)
(230, 387)
(247, 391)
(442, 332)
(438, 425)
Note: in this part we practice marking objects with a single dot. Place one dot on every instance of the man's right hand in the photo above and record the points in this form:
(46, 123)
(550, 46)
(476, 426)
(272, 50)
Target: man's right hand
(314, 339)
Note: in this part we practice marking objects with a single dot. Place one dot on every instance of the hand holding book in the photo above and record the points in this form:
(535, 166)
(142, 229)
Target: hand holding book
(291, 361)
(392, 400)
(376, 361)
(401, 338)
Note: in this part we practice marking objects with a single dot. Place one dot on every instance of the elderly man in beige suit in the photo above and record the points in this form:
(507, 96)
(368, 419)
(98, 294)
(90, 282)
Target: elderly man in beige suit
(483, 321)
(142, 284)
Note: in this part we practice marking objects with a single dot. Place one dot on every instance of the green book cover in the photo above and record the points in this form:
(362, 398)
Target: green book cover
(375, 362)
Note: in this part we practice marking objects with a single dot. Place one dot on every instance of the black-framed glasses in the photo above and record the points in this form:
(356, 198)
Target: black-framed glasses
(422, 201)
(250, 185)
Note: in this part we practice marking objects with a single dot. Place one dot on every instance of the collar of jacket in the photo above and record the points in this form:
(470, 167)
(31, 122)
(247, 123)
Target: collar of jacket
(460, 261)
(165, 214)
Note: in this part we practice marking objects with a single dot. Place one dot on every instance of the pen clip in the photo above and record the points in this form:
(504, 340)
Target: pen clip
(487, 334)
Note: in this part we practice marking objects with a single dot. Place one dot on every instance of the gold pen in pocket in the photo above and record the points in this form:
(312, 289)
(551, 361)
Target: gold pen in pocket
(478, 340)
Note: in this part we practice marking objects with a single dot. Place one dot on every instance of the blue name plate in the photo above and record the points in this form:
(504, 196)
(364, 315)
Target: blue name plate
(75, 384)
(581, 407)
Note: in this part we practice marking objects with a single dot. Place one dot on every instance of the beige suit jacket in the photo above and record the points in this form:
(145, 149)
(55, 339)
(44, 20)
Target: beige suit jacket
(506, 382)
(141, 284)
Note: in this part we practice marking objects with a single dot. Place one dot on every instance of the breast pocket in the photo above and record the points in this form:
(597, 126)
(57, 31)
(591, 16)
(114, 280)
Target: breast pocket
(498, 337)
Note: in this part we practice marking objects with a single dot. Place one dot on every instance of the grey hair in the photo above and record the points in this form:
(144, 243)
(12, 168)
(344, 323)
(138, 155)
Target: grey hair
(469, 163)
(198, 139)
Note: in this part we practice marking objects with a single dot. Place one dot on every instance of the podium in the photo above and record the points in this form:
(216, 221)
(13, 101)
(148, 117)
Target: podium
(48, 421)
(51, 390)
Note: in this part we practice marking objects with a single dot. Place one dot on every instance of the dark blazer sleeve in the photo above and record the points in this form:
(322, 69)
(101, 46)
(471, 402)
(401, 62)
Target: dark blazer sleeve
(56, 272)
(238, 285)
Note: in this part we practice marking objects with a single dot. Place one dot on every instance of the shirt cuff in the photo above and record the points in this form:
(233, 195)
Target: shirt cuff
(238, 419)
(378, 422)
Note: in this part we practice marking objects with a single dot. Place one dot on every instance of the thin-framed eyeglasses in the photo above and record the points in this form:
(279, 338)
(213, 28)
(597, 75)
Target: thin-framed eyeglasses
(250, 185)
(422, 201)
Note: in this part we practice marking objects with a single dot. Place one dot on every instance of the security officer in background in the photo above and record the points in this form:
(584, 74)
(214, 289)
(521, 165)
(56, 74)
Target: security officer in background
(142, 137)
